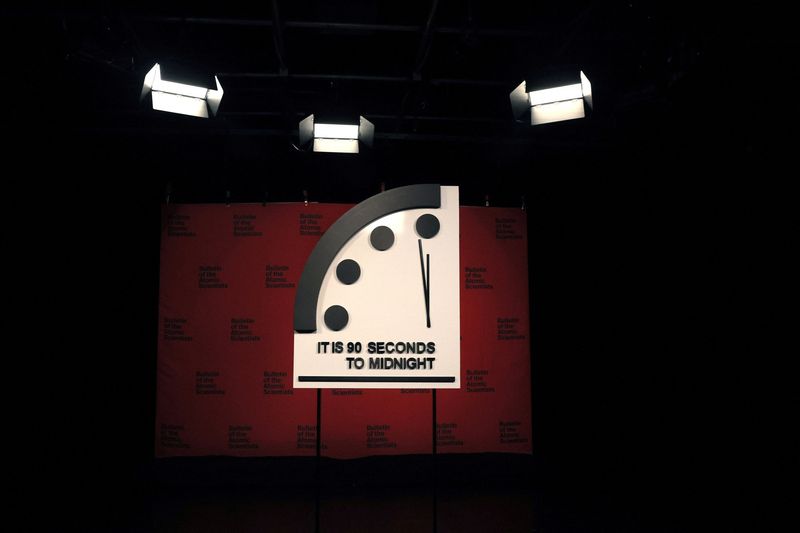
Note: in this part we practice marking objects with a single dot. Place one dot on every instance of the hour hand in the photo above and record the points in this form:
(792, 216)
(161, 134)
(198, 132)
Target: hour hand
(426, 281)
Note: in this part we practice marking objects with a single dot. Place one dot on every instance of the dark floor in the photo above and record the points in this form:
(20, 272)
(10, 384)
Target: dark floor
(484, 493)
(387, 510)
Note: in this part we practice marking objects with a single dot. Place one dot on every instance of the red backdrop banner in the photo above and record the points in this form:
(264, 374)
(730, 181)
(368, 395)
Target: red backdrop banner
(224, 384)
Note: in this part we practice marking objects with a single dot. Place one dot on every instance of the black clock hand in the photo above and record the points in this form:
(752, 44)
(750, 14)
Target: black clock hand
(428, 291)
(425, 282)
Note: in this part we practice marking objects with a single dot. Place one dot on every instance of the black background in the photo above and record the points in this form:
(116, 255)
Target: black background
(653, 231)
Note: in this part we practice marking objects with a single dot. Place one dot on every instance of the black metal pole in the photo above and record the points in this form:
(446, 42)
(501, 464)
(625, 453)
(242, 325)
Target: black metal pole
(316, 467)
(434, 462)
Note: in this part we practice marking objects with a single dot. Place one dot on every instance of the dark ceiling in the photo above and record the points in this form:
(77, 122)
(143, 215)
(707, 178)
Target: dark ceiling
(433, 76)
(433, 70)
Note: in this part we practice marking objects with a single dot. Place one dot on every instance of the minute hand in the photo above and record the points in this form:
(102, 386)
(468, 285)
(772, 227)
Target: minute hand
(426, 281)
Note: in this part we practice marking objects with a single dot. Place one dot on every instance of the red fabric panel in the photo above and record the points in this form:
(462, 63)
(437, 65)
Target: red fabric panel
(376, 422)
(225, 343)
(254, 416)
(492, 410)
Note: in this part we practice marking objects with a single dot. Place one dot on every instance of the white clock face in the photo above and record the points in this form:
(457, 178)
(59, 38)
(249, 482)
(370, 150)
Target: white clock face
(387, 314)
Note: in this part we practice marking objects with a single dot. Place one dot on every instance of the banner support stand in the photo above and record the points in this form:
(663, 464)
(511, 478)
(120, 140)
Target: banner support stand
(317, 477)
(434, 461)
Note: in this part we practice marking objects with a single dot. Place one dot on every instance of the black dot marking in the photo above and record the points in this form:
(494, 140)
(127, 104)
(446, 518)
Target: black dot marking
(348, 271)
(427, 226)
(336, 317)
(382, 238)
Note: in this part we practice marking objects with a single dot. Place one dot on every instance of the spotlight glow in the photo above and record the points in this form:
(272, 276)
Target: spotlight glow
(336, 138)
(335, 131)
(556, 94)
(554, 104)
(557, 111)
(180, 98)
(177, 103)
(342, 146)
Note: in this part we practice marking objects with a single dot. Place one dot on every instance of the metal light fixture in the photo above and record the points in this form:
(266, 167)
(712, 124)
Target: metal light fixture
(542, 105)
(338, 138)
(174, 96)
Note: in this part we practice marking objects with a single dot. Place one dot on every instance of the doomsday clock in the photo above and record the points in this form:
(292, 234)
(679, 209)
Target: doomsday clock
(377, 305)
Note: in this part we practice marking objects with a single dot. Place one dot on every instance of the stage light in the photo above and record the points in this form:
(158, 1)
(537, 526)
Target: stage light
(173, 96)
(552, 104)
(338, 138)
